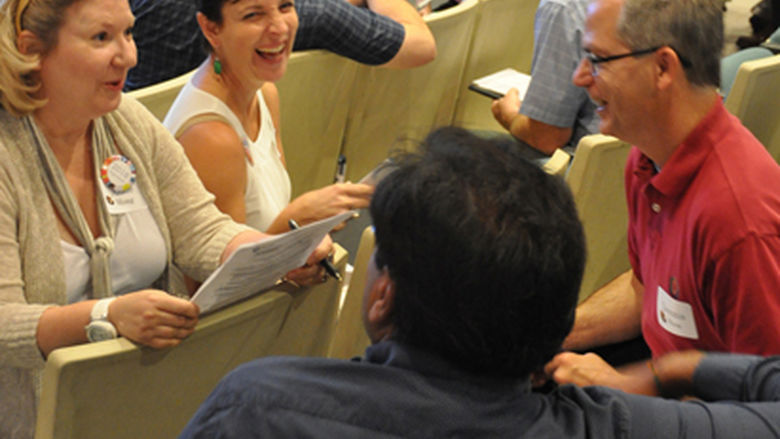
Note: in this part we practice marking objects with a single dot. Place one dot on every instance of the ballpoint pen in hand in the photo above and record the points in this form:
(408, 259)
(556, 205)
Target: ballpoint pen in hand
(325, 263)
(341, 169)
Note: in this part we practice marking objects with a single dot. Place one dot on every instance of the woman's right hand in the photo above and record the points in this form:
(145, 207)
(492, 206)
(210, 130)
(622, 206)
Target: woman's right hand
(153, 317)
(326, 202)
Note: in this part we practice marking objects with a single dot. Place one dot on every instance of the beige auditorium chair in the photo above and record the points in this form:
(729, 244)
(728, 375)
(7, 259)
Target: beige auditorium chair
(116, 389)
(755, 99)
(310, 321)
(349, 338)
(596, 181)
(503, 37)
(314, 95)
(390, 105)
(158, 98)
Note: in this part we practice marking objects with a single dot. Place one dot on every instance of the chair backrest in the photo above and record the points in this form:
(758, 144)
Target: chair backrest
(158, 98)
(119, 390)
(597, 183)
(775, 37)
(503, 37)
(389, 104)
(349, 338)
(310, 321)
(315, 95)
(755, 100)
(729, 65)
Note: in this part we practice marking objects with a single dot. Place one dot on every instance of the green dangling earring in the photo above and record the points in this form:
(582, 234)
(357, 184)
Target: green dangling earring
(217, 66)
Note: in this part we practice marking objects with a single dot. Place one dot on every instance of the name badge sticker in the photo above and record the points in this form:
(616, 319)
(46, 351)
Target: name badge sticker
(675, 315)
(120, 193)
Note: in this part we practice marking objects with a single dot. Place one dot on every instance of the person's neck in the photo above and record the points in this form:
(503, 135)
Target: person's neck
(675, 119)
(240, 96)
(64, 130)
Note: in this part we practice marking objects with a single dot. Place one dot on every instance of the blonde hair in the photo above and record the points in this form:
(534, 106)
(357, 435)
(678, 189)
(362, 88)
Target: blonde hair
(18, 79)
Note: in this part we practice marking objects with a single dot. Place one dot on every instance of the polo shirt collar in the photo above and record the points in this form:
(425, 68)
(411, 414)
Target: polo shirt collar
(689, 156)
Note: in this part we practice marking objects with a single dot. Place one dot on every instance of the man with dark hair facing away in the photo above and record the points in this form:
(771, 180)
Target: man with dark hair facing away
(471, 288)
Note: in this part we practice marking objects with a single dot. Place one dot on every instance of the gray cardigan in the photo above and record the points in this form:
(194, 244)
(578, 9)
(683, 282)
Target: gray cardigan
(31, 264)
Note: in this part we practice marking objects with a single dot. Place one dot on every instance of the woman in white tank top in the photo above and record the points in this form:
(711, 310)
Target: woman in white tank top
(227, 118)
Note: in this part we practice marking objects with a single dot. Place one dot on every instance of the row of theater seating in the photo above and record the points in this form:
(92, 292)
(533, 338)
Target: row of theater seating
(333, 106)
(330, 106)
(120, 390)
(754, 98)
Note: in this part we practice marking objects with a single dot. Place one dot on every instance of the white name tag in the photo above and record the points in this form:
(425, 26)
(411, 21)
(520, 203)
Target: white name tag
(675, 316)
(122, 203)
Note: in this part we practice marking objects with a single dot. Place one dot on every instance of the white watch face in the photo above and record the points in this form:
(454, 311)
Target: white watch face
(100, 330)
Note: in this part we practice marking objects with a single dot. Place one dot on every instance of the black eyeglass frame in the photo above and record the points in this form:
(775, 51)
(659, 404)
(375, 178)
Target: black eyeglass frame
(595, 60)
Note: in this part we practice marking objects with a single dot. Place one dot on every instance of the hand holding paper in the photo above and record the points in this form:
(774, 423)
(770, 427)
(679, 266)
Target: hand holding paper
(498, 84)
(507, 108)
(257, 266)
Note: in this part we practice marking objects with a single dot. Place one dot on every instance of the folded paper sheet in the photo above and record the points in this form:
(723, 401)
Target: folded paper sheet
(257, 266)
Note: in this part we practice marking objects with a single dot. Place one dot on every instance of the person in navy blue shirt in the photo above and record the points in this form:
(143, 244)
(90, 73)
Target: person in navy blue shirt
(472, 288)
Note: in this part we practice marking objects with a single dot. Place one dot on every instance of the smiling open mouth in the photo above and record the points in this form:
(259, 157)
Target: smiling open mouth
(271, 53)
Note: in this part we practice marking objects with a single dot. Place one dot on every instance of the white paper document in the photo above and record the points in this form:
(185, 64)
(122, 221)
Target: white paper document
(500, 82)
(258, 266)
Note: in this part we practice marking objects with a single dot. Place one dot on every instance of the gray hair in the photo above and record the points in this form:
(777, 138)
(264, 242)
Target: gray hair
(693, 28)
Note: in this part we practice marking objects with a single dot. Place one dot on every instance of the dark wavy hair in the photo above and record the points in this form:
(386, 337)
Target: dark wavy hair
(486, 251)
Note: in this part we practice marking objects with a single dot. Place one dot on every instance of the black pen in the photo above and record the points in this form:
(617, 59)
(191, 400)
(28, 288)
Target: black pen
(325, 263)
(341, 169)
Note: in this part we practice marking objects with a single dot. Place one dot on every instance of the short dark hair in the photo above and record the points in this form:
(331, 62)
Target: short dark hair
(212, 9)
(486, 251)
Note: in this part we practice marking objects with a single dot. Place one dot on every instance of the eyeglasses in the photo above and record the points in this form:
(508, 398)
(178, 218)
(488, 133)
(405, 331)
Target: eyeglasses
(595, 60)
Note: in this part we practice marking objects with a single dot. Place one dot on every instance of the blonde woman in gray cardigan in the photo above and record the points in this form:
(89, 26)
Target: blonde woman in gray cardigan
(100, 211)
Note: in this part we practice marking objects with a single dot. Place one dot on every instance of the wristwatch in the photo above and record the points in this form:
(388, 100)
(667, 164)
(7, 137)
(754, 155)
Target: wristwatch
(99, 327)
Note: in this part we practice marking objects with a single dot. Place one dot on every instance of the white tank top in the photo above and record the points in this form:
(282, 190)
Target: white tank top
(268, 184)
(138, 259)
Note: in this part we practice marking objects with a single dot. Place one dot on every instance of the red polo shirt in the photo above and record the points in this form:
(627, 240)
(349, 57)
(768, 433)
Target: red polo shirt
(704, 235)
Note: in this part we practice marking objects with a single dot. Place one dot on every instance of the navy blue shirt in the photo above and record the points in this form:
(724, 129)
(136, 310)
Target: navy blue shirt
(398, 392)
(169, 40)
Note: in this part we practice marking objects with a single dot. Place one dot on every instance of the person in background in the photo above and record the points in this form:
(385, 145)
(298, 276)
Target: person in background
(471, 288)
(227, 119)
(386, 32)
(100, 211)
(554, 112)
(704, 214)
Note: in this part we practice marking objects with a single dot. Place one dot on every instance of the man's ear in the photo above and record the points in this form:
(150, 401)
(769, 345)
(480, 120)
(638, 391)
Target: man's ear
(668, 65)
(381, 302)
(209, 29)
(28, 43)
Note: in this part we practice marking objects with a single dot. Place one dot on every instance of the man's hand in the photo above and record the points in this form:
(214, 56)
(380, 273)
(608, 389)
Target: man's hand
(670, 376)
(506, 108)
(583, 370)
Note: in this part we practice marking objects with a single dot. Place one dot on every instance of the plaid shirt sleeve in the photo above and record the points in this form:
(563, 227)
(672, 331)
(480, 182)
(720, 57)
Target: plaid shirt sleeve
(552, 98)
(168, 39)
(356, 33)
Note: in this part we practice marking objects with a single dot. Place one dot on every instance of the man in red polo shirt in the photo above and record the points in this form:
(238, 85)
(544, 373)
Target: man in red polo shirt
(703, 198)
